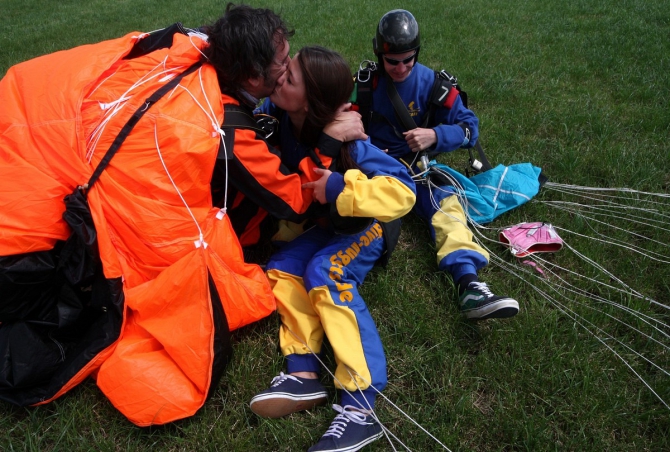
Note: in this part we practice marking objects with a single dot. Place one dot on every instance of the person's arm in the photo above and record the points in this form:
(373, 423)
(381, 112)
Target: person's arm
(381, 188)
(255, 169)
(454, 124)
(347, 125)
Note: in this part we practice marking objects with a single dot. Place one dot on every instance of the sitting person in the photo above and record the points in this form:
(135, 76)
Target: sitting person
(315, 277)
(401, 82)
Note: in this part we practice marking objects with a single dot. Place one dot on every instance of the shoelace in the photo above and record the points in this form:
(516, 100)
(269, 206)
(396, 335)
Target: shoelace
(347, 414)
(481, 287)
(282, 377)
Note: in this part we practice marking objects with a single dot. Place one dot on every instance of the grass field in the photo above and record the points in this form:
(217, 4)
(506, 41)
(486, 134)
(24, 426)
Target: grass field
(580, 89)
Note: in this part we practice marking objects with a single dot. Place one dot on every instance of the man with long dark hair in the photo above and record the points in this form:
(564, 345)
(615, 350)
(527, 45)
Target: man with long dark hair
(249, 49)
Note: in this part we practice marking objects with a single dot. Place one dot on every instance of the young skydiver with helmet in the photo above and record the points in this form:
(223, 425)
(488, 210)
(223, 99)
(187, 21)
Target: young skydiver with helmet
(407, 109)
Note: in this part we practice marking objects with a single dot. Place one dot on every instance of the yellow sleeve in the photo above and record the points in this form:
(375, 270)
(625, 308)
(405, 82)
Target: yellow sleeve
(382, 197)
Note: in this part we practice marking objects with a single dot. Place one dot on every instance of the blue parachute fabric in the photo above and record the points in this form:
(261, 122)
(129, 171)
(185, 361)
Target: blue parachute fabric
(496, 191)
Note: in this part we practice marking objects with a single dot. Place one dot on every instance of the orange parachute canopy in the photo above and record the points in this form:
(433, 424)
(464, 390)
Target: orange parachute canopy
(176, 258)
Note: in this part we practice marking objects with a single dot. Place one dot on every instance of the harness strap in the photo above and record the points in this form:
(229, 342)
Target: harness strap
(237, 117)
(364, 88)
(402, 114)
(482, 158)
(240, 118)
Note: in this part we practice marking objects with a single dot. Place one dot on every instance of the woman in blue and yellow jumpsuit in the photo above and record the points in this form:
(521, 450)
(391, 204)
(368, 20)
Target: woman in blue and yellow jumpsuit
(315, 277)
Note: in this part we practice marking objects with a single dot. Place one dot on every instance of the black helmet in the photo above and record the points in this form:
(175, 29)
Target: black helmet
(397, 32)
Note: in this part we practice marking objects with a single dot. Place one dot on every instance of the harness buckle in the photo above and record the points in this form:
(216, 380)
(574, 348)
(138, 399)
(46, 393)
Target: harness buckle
(448, 77)
(367, 67)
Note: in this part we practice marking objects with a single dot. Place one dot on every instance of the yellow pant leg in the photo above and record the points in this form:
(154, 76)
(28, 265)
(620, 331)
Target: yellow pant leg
(344, 335)
(297, 315)
(451, 230)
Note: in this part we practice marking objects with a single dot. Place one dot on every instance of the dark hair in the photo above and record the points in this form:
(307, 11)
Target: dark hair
(242, 44)
(328, 85)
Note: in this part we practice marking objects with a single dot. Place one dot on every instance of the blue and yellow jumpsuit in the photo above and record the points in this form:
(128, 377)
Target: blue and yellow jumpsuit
(315, 277)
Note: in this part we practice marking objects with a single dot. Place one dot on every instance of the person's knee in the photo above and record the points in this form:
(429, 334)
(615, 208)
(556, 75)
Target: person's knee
(320, 271)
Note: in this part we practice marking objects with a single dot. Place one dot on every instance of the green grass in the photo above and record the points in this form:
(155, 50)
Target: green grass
(578, 88)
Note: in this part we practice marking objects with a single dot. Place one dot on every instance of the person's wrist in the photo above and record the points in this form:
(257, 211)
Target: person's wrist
(466, 133)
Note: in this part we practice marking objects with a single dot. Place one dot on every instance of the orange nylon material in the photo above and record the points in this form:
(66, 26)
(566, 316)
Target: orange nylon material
(150, 206)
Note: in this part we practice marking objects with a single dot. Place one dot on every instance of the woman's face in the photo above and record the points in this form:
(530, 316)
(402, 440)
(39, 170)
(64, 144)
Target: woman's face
(289, 94)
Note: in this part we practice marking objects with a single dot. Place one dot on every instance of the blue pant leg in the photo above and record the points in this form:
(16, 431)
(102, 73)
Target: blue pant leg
(294, 255)
(301, 332)
(332, 279)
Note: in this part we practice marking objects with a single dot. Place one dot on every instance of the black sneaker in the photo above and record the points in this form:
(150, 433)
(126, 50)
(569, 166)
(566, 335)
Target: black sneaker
(350, 431)
(479, 303)
(288, 394)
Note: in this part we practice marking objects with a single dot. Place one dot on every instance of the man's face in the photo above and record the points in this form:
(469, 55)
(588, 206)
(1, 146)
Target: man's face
(276, 69)
(290, 95)
(399, 65)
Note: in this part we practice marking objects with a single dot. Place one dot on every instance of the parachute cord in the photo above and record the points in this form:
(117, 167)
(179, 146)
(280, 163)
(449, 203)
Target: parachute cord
(223, 210)
(201, 241)
(212, 116)
(596, 189)
(582, 322)
(217, 129)
(201, 36)
(222, 134)
(112, 108)
(399, 410)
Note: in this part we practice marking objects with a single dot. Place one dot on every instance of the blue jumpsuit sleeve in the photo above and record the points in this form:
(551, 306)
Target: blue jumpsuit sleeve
(450, 135)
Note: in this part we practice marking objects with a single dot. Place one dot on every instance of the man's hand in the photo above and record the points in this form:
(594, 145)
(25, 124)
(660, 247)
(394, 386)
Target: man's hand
(419, 139)
(319, 186)
(347, 125)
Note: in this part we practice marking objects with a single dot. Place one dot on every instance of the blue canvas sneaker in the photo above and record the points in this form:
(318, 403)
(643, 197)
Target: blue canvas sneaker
(288, 394)
(477, 302)
(350, 431)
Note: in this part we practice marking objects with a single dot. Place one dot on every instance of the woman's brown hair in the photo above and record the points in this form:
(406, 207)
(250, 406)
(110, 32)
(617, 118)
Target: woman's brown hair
(328, 85)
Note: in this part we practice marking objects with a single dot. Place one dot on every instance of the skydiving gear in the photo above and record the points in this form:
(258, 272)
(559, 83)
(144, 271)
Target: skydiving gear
(443, 94)
(397, 32)
(288, 394)
(352, 429)
(478, 303)
(490, 193)
(528, 238)
(190, 246)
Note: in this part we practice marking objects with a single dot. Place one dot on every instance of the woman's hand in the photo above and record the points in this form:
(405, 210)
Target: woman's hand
(319, 186)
